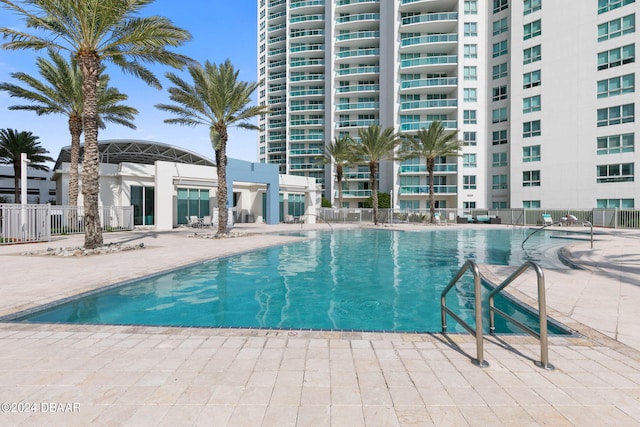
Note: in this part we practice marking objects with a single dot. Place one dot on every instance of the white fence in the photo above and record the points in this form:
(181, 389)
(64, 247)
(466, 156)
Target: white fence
(611, 218)
(37, 223)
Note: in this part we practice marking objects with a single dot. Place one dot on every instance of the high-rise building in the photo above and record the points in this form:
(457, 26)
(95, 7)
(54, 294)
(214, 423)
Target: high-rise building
(541, 93)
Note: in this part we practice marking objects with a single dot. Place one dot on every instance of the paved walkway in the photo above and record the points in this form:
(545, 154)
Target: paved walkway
(130, 375)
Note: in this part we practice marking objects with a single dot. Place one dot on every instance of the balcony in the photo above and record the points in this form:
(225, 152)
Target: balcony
(307, 152)
(306, 3)
(307, 92)
(306, 166)
(306, 63)
(358, 53)
(422, 169)
(429, 104)
(356, 193)
(442, 43)
(358, 176)
(358, 70)
(316, 47)
(357, 123)
(300, 19)
(307, 122)
(307, 107)
(307, 137)
(358, 106)
(424, 189)
(358, 88)
(430, 17)
(359, 21)
(436, 82)
(447, 124)
(429, 62)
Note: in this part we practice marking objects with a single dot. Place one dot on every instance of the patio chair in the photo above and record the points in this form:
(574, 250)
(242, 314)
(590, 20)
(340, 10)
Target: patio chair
(192, 221)
(438, 219)
(207, 221)
(546, 219)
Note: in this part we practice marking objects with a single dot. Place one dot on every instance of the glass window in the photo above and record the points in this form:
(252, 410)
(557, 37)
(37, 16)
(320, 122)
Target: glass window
(615, 203)
(616, 86)
(499, 159)
(468, 205)
(532, 79)
(499, 137)
(530, 129)
(617, 27)
(531, 179)
(469, 160)
(532, 54)
(499, 5)
(470, 117)
(500, 71)
(470, 7)
(499, 93)
(531, 104)
(531, 204)
(500, 48)
(614, 144)
(470, 29)
(607, 5)
(499, 182)
(296, 205)
(531, 6)
(469, 182)
(470, 50)
(192, 202)
(622, 172)
(616, 57)
(499, 205)
(469, 138)
(531, 153)
(470, 95)
(500, 26)
(470, 73)
(499, 115)
(616, 115)
(532, 29)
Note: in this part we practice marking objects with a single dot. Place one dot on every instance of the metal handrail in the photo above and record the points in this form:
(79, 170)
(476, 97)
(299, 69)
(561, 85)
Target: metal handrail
(542, 311)
(477, 333)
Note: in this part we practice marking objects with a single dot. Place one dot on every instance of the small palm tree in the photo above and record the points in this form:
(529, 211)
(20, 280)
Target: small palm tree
(429, 144)
(216, 99)
(96, 32)
(60, 92)
(12, 144)
(375, 146)
(339, 152)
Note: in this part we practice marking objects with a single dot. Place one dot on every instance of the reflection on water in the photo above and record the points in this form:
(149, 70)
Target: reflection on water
(362, 280)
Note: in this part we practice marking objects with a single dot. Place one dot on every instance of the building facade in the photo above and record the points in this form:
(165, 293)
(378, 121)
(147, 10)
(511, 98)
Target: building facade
(541, 93)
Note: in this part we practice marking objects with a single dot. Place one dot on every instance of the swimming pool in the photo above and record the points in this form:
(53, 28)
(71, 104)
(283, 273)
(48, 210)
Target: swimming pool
(371, 280)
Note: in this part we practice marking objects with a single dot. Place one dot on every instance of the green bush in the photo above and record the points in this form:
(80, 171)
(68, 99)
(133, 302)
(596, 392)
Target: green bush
(384, 201)
(326, 203)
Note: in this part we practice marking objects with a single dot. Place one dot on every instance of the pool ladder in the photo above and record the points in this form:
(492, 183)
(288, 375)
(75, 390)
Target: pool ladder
(477, 332)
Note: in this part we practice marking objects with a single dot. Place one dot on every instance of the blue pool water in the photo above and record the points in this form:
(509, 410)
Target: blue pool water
(372, 280)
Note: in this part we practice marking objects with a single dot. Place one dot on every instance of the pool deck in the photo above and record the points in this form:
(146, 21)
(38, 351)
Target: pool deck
(77, 375)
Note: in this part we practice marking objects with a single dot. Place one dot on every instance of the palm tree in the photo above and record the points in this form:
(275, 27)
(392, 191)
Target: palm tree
(12, 144)
(60, 92)
(94, 32)
(429, 144)
(339, 152)
(376, 145)
(216, 99)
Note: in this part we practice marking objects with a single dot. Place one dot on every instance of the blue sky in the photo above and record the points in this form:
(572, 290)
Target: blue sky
(220, 29)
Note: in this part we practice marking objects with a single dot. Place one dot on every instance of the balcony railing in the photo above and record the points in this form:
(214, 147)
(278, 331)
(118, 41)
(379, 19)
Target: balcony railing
(357, 123)
(356, 193)
(438, 168)
(436, 38)
(441, 81)
(431, 103)
(358, 88)
(358, 35)
(358, 106)
(359, 17)
(358, 70)
(430, 17)
(447, 124)
(429, 60)
(424, 189)
(358, 52)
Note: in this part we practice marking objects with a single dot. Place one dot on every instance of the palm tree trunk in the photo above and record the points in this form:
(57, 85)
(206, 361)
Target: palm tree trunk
(373, 167)
(221, 166)
(75, 129)
(90, 66)
(339, 175)
(432, 195)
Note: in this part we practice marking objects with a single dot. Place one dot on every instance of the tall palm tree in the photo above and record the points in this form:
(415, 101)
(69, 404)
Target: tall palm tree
(95, 32)
(375, 146)
(12, 144)
(429, 144)
(216, 99)
(339, 152)
(60, 92)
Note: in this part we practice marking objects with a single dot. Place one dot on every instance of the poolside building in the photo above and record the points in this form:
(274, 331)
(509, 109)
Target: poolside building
(541, 93)
(40, 189)
(166, 185)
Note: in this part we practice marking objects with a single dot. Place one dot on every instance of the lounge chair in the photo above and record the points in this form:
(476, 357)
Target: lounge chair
(438, 219)
(192, 221)
(546, 219)
(207, 221)
(290, 219)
